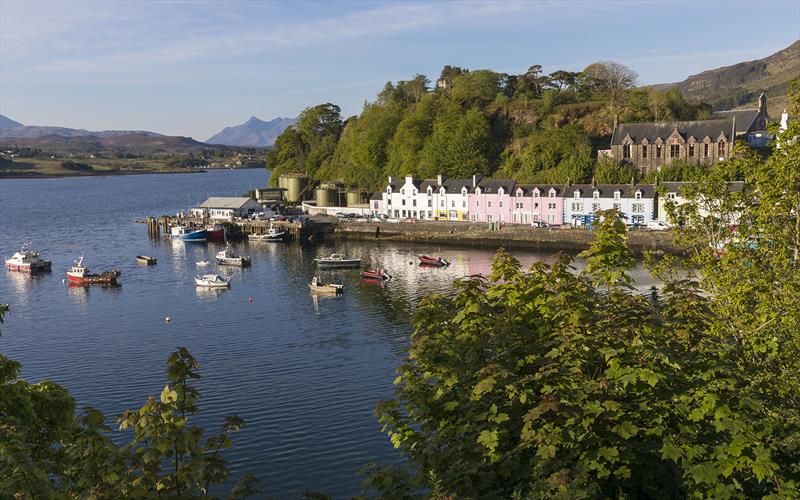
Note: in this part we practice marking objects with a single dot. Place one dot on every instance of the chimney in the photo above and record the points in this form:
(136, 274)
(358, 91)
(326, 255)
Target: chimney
(633, 181)
(594, 182)
(439, 180)
(391, 180)
(784, 120)
(409, 179)
(474, 180)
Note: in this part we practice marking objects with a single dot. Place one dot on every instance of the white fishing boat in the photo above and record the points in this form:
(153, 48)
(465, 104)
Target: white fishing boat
(337, 261)
(271, 235)
(318, 286)
(202, 263)
(27, 261)
(212, 281)
(230, 258)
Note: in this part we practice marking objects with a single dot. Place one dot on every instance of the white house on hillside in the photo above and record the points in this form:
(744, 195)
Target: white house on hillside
(582, 201)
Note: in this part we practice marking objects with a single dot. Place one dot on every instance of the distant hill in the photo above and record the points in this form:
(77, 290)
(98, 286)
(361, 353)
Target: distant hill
(253, 132)
(122, 143)
(739, 85)
(35, 132)
(6, 123)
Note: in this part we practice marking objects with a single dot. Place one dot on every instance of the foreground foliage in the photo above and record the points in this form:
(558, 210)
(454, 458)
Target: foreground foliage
(549, 382)
(49, 451)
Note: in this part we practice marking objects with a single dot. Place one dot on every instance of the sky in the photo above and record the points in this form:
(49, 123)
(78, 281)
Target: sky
(193, 67)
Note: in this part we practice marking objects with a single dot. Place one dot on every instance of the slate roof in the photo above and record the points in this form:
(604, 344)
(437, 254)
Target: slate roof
(744, 118)
(455, 185)
(376, 196)
(433, 183)
(699, 129)
(607, 190)
(398, 182)
(675, 187)
(492, 186)
(224, 202)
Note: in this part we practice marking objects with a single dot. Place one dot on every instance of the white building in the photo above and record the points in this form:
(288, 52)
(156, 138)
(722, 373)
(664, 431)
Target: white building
(636, 203)
(226, 208)
(400, 198)
(674, 193)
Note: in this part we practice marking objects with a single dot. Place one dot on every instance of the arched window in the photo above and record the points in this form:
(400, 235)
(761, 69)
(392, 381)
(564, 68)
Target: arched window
(721, 149)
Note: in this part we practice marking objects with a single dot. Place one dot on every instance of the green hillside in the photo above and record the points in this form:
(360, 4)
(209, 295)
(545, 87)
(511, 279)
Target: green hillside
(533, 127)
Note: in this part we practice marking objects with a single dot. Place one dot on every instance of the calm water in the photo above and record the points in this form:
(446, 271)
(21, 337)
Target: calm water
(304, 373)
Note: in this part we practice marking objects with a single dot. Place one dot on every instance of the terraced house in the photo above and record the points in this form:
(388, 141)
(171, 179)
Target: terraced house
(636, 202)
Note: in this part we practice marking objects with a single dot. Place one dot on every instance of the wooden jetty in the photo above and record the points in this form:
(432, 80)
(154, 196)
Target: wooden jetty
(310, 230)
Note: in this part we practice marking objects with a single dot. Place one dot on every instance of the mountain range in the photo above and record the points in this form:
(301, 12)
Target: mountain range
(739, 85)
(253, 132)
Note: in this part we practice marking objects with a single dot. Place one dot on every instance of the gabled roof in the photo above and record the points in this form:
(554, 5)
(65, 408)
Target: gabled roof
(527, 189)
(491, 186)
(376, 196)
(607, 190)
(432, 183)
(224, 202)
(455, 185)
(698, 129)
(744, 118)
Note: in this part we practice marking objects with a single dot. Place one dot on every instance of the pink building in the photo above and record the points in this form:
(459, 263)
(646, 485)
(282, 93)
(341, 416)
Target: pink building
(491, 201)
(533, 203)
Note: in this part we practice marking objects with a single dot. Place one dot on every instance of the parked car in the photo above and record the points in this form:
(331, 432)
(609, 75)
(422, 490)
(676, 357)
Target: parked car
(539, 223)
(410, 220)
(393, 221)
(657, 225)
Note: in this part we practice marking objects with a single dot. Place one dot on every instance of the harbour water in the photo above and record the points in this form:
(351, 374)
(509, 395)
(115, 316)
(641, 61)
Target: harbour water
(304, 372)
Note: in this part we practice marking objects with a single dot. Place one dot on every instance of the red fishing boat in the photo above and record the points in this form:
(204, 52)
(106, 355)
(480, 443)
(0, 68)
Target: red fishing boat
(216, 233)
(376, 274)
(425, 260)
(79, 275)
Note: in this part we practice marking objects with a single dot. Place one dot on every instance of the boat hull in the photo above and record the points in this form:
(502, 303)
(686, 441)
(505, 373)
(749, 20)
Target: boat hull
(343, 264)
(207, 284)
(238, 262)
(28, 268)
(109, 278)
(149, 261)
(376, 276)
(326, 289)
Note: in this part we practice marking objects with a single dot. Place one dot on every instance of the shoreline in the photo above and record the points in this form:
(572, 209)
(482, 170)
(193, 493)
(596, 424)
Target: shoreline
(510, 236)
(36, 175)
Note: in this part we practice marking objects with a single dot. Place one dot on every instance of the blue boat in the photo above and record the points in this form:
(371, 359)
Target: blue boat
(186, 234)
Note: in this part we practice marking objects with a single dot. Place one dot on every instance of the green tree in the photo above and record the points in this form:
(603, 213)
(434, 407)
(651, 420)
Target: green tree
(609, 171)
(460, 144)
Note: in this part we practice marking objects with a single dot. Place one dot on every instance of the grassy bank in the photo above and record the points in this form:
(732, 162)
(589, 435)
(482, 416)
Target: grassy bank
(510, 236)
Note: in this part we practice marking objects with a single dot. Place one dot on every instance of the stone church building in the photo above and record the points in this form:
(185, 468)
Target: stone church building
(648, 146)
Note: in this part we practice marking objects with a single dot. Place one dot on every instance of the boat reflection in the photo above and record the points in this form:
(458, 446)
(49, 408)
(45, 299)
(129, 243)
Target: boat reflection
(206, 293)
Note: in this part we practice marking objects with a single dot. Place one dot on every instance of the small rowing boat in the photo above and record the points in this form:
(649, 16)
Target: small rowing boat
(145, 259)
(376, 274)
(318, 286)
(425, 260)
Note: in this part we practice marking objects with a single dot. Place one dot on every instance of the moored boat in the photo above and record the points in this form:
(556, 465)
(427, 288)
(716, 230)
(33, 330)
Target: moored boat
(318, 286)
(145, 259)
(188, 234)
(212, 281)
(202, 263)
(27, 261)
(337, 261)
(376, 274)
(215, 233)
(425, 260)
(79, 274)
(271, 235)
(231, 258)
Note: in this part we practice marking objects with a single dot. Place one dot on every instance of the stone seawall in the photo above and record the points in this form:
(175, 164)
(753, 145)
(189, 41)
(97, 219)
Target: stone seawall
(510, 236)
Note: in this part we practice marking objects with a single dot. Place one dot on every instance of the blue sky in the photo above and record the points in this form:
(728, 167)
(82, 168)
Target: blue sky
(191, 68)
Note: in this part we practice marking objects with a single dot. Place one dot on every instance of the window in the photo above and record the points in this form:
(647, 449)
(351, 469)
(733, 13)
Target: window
(452, 203)
(535, 216)
(535, 205)
(638, 195)
(705, 150)
(430, 203)
(577, 194)
(637, 208)
(658, 151)
(536, 194)
(616, 195)
(464, 204)
(553, 194)
(489, 204)
(403, 191)
(644, 150)
(595, 207)
(674, 150)
(617, 206)
(721, 149)
(501, 204)
(441, 203)
(489, 218)
(577, 207)
(670, 196)
(626, 151)
(403, 201)
(414, 202)
(477, 203)
(691, 150)
(596, 195)
(551, 206)
(390, 201)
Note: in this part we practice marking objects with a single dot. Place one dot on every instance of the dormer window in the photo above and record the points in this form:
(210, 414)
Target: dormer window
(596, 195)
(389, 190)
(644, 150)
(721, 149)
(658, 150)
(403, 191)
(464, 192)
(638, 195)
(552, 193)
(626, 150)
(414, 192)
(577, 195)
(616, 195)
(430, 191)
